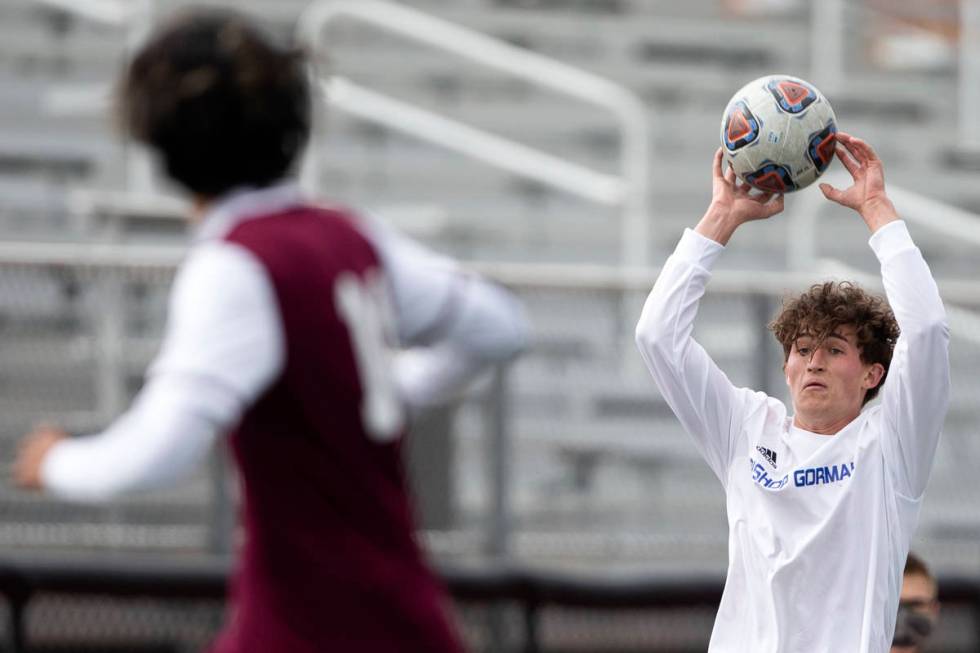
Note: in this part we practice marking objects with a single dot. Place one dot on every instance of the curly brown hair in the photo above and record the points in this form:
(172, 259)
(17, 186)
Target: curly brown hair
(826, 306)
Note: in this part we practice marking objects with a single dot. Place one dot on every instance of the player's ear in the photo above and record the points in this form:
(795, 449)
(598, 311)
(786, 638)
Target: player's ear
(874, 375)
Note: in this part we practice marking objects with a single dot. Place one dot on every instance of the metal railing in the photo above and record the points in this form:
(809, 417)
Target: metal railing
(587, 290)
(958, 225)
(629, 190)
(134, 18)
(829, 21)
(109, 12)
(969, 74)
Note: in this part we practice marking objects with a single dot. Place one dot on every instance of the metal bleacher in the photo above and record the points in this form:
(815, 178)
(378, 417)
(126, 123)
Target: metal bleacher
(597, 454)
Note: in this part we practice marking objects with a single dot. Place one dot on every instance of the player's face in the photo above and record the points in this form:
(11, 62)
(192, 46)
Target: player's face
(828, 380)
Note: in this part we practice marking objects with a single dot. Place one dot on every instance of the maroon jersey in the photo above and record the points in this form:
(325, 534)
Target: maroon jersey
(330, 562)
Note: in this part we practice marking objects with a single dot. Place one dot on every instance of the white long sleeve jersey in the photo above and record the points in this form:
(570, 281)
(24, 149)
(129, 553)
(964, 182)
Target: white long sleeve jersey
(224, 345)
(819, 526)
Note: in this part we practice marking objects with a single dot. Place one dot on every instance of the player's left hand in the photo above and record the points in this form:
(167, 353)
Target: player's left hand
(33, 448)
(867, 195)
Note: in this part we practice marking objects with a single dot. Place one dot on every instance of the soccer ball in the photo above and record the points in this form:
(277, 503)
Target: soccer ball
(778, 133)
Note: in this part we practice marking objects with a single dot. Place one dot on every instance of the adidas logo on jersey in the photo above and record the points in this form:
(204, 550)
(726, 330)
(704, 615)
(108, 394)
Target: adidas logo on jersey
(769, 455)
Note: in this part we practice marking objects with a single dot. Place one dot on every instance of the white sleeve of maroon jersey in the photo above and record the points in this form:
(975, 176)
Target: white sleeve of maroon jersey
(223, 345)
(452, 324)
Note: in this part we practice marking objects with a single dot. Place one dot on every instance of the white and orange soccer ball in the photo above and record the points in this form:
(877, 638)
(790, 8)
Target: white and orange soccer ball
(779, 133)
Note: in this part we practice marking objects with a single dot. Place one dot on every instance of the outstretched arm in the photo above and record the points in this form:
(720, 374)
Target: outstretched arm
(222, 347)
(704, 400)
(915, 396)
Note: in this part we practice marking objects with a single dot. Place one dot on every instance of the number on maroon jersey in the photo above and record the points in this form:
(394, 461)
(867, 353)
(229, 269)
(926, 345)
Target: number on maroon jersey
(363, 306)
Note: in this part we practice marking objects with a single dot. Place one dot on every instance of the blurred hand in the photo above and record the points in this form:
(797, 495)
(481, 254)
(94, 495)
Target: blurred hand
(867, 196)
(732, 204)
(31, 452)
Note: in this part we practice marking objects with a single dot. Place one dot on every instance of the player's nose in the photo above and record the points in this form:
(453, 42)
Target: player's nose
(815, 363)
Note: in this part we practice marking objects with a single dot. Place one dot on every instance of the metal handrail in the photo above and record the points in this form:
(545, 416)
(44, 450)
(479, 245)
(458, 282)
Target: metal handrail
(828, 22)
(969, 72)
(148, 257)
(109, 12)
(827, 44)
(926, 212)
(492, 149)
(135, 18)
(630, 190)
(964, 322)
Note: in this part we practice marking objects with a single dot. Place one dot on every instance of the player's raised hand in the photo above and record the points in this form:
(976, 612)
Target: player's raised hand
(867, 195)
(31, 453)
(728, 194)
(732, 204)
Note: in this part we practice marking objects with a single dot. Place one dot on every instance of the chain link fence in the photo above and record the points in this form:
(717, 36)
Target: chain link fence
(595, 470)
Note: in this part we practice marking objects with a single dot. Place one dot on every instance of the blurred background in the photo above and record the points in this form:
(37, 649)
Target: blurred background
(558, 146)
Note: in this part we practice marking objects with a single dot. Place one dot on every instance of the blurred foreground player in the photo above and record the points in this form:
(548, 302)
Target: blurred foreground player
(822, 502)
(918, 607)
(277, 333)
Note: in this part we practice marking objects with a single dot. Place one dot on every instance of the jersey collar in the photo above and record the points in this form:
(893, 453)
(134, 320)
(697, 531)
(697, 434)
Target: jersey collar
(243, 203)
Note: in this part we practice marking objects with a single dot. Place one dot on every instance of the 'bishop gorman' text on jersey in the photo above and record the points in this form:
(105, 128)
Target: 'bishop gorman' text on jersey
(821, 475)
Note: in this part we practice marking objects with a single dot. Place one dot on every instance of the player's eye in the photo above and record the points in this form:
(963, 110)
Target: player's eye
(804, 351)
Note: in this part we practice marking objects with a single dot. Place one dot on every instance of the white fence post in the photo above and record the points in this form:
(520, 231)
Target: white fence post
(827, 44)
(969, 75)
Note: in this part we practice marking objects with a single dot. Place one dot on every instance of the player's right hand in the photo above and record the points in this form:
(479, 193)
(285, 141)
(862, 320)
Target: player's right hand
(730, 197)
(33, 448)
(733, 204)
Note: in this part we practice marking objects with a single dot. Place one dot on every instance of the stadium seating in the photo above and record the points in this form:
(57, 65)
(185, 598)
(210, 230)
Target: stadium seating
(597, 455)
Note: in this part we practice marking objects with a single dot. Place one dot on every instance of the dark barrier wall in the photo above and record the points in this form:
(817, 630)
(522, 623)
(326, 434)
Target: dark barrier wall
(526, 591)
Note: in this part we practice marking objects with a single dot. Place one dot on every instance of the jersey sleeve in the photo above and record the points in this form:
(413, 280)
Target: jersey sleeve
(165, 434)
(452, 324)
(223, 323)
(222, 347)
(709, 407)
(915, 395)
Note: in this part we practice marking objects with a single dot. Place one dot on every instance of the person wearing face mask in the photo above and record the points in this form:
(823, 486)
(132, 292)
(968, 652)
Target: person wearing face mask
(918, 607)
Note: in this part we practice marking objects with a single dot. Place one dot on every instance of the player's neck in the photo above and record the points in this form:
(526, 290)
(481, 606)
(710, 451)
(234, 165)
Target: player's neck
(822, 424)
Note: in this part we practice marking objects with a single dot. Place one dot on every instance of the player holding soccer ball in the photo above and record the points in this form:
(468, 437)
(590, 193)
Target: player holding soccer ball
(822, 500)
(277, 333)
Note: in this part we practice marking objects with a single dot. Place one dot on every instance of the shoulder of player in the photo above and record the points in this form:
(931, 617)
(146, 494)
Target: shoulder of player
(218, 265)
(762, 411)
(764, 420)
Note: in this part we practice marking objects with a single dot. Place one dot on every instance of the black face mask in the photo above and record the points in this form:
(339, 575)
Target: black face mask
(912, 627)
